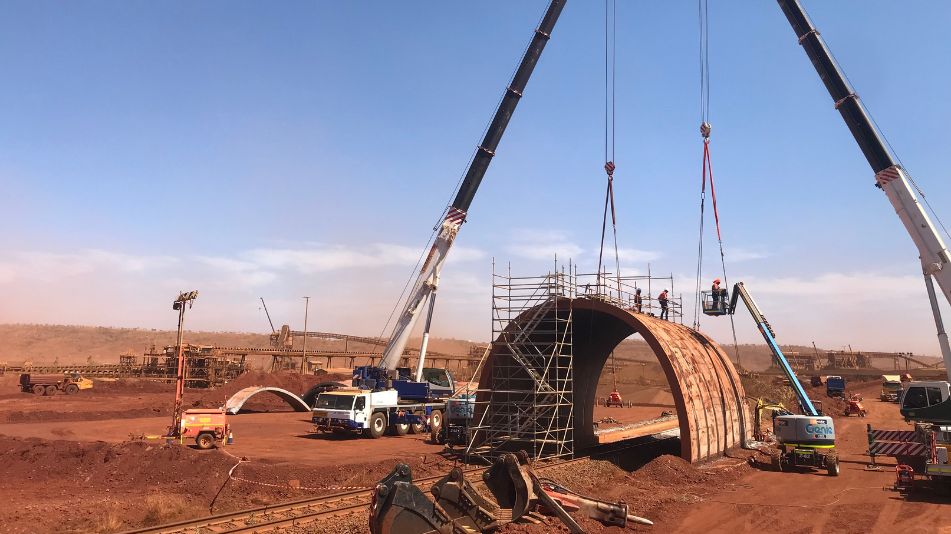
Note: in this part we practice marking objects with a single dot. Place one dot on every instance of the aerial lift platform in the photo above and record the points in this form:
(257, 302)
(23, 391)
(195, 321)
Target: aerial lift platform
(805, 440)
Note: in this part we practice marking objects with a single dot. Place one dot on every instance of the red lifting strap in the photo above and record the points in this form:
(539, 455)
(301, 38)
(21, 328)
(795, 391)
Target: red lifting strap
(708, 170)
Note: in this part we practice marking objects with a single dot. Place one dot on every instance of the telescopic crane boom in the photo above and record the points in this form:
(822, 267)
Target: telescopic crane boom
(427, 280)
(890, 177)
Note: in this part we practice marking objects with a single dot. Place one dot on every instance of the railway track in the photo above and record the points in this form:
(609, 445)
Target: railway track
(272, 518)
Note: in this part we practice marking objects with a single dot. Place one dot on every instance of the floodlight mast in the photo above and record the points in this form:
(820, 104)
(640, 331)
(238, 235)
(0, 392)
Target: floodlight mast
(185, 297)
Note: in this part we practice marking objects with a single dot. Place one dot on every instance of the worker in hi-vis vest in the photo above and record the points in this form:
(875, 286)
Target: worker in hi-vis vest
(662, 299)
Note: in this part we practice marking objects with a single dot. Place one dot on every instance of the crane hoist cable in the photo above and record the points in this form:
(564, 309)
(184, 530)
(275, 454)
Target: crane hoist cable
(610, 77)
(707, 168)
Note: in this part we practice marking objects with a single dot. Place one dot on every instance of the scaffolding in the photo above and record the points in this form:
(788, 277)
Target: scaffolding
(529, 402)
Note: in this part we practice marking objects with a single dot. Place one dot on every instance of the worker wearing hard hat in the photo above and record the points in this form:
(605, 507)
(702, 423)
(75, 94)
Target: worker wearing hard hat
(662, 299)
(717, 292)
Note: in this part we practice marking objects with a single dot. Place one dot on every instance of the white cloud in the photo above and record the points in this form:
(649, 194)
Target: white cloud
(244, 269)
(324, 258)
(543, 245)
(868, 310)
(231, 272)
(844, 287)
(633, 254)
(51, 266)
(461, 254)
(739, 254)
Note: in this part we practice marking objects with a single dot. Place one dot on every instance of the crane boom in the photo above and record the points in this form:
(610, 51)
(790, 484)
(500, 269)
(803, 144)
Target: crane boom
(889, 175)
(428, 277)
(740, 292)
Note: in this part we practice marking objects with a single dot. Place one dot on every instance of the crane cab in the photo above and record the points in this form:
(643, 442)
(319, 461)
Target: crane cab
(715, 303)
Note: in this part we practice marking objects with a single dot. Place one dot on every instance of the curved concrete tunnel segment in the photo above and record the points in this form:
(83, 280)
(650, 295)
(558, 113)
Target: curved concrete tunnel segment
(711, 409)
(236, 402)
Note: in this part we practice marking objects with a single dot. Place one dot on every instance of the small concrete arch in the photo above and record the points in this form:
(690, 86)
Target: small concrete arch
(234, 404)
(707, 391)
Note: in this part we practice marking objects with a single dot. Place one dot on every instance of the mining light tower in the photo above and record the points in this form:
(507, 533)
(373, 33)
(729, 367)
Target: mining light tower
(185, 297)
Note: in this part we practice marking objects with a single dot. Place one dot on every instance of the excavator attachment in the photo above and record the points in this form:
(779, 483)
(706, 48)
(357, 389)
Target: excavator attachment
(510, 492)
(399, 506)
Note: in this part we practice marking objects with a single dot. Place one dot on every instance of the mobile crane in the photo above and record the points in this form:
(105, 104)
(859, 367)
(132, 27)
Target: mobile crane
(394, 396)
(923, 401)
(806, 440)
(927, 404)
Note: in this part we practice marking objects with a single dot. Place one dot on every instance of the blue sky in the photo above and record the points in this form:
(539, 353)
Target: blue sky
(252, 149)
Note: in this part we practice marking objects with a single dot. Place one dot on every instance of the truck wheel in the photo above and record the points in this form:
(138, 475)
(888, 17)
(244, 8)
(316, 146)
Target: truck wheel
(436, 437)
(400, 429)
(39, 390)
(51, 390)
(205, 441)
(435, 419)
(72, 389)
(834, 468)
(375, 426)
(418, 428)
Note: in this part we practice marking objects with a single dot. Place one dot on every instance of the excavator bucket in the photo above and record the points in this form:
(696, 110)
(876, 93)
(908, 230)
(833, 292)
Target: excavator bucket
(469, 510)
(400, 507)
(511, 492)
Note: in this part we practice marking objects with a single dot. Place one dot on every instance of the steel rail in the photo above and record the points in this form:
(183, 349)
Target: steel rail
(278, 516)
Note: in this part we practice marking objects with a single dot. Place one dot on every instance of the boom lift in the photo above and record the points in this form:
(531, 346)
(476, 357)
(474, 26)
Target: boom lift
(806, 440)
(928, 402)
(395, 386)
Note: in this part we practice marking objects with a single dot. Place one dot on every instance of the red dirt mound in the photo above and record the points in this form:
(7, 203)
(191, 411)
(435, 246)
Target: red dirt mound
(129, 386)
(661, 488)
(56, 485)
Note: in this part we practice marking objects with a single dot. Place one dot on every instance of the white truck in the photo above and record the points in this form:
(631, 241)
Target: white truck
(351, 410)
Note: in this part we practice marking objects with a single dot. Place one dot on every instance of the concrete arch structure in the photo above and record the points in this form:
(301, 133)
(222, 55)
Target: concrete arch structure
(709, 396)
(236, 402)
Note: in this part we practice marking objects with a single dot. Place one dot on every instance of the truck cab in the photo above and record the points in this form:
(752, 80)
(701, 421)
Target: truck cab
(339, 409)
(835, 386)
(356, 410)
(891, 388)
(927, 401)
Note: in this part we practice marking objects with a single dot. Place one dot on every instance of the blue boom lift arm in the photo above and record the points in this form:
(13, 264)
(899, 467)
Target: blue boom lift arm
(739, 291)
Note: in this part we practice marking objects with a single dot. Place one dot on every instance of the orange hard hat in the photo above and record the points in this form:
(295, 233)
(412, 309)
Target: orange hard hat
(716, 280)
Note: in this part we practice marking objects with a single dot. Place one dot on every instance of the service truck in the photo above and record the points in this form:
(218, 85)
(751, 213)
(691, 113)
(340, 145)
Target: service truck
(891, 388)
(835, 386)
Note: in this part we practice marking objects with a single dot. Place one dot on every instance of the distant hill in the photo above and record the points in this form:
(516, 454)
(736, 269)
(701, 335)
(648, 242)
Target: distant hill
(46, 344)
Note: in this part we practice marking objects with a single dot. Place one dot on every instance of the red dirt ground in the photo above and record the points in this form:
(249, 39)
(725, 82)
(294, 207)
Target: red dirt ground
(72, 469)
